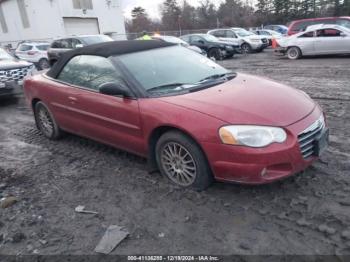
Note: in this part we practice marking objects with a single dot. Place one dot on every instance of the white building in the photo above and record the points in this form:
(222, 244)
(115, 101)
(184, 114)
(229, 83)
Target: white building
(48, 19)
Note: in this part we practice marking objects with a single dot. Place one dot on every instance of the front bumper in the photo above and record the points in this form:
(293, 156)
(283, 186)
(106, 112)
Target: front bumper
(12, 88)
(261, 165)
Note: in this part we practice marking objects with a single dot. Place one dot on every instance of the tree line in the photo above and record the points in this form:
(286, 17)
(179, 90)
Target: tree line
(177, 16)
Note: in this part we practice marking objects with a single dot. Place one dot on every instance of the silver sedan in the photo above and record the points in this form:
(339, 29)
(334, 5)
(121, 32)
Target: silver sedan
(316, 40)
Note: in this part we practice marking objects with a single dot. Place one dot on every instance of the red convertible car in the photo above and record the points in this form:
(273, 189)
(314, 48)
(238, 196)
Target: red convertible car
(194, 120)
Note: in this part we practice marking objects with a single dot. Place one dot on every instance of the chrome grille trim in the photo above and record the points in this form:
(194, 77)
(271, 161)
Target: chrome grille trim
(16, 74)
(307, 137)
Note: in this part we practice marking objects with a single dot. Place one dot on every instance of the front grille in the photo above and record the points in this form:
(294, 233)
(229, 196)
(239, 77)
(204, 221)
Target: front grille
(308, 136)
(16, 74)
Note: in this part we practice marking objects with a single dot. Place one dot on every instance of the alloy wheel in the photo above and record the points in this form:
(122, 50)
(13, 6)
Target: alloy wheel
(178, 164)
(45, 122)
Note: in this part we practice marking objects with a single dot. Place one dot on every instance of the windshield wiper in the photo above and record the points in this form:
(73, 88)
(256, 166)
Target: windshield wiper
(167, 86)
(228, 76)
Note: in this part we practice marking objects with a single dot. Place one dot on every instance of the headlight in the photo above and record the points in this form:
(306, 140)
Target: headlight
(228, 47)
(252, 136)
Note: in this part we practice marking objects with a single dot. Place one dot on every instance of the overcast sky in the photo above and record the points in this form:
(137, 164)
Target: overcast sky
(152, 6)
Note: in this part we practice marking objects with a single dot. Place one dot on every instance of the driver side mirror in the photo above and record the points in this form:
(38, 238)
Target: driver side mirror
(114, 89)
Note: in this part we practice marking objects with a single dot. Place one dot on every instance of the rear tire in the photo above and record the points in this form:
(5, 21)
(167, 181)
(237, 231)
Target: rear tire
(293, 53)
(182, 161)
(45, 121)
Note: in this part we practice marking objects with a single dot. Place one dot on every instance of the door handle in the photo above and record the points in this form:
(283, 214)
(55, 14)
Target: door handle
(72, 99)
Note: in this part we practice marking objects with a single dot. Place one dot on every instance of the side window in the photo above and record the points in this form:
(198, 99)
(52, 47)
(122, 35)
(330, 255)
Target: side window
(66, 44)
(42, 47)
(56, 44)
(230, 34)
(75, 42)
(219, 33)
(25, 48)
(196, 38)
(308, 34)
(328, 33)
(90, 72)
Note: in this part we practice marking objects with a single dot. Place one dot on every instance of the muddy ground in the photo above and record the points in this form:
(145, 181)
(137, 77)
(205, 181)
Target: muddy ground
(306, 214)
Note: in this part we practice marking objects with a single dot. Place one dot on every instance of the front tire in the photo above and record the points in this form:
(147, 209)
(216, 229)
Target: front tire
(46, 122)
(246, 48)
(293, 53)
(182, 161)
(215, 53)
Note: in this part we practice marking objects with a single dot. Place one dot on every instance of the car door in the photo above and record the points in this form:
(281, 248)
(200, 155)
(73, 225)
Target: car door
(331, 41)
(306, 43)
(109, 119)
(232, 37)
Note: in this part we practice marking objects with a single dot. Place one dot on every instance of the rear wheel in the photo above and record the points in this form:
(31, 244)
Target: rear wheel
(46, 122)
(181, 160)
(293, 53)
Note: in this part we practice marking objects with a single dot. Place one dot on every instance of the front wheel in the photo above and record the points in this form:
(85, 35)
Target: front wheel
(182, 161)
(46, 122)
(293, 53)
(246, 48)
(215, 53)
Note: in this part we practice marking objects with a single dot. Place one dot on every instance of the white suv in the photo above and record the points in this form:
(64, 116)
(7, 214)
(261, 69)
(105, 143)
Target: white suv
(250, 42)
(35, 52)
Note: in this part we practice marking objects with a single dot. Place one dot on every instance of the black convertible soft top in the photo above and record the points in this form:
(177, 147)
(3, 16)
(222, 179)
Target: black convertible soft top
(106, 49)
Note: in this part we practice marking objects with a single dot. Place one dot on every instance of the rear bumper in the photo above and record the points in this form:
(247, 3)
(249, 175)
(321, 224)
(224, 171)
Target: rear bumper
(246, 165)
(11, 89)
(281, 50)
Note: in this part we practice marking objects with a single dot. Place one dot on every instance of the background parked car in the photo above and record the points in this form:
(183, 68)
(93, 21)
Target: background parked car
(214, 47)
(316, 40)
(176, 40)
(34, 52)
(282, 29)
(12, 74)
(250, 41)
(269, 34)
(62, 45)
(301, 25)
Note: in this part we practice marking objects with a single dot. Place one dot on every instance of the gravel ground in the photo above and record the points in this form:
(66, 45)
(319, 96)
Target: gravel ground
(305, 214)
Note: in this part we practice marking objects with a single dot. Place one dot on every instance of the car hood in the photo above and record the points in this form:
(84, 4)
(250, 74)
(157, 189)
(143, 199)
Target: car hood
(249, 100)
(12, 64)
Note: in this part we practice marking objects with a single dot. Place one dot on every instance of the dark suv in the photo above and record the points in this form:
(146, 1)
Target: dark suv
(214, 47)
(62, 45)
(12, 74)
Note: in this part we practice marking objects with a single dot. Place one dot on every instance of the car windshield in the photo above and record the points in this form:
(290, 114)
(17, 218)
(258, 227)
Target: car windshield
(210, 38)
(243, 32)
(90, 40)
(4, 55)
(172, 70)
